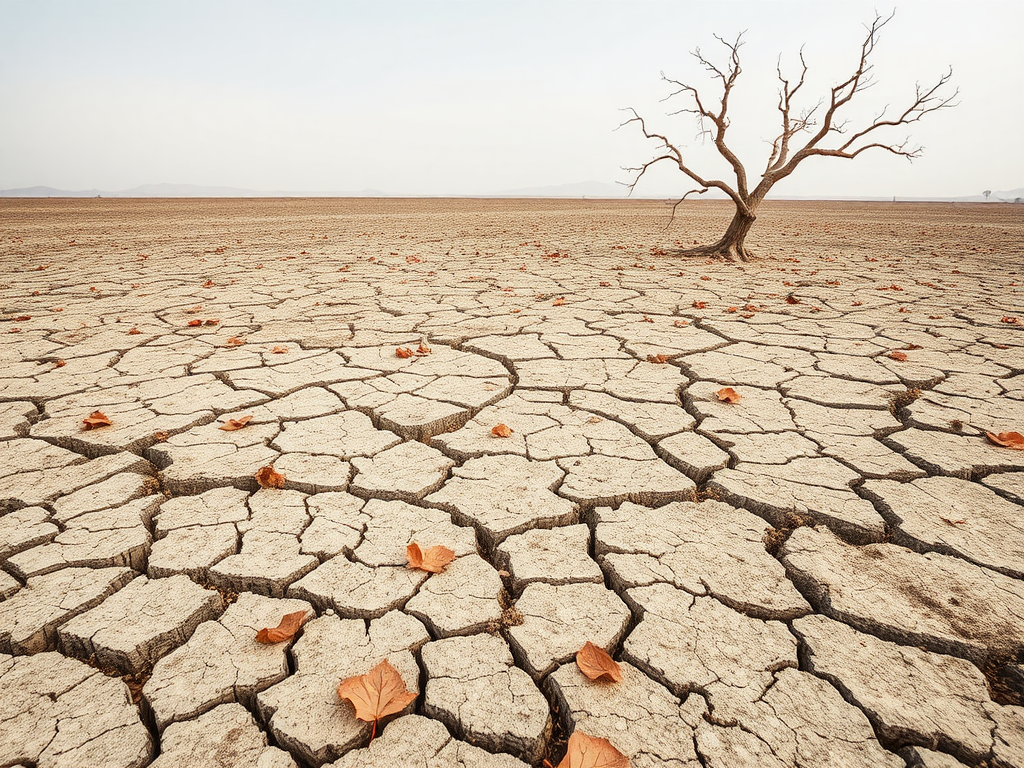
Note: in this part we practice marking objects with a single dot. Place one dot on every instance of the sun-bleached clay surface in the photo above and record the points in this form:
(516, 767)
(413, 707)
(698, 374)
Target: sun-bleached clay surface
(828, 572)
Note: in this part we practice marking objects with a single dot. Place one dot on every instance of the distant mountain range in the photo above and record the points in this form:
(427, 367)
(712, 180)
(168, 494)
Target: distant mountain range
(583, 189)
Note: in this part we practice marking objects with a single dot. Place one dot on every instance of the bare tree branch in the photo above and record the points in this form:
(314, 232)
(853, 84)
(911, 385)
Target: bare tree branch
(823, 120)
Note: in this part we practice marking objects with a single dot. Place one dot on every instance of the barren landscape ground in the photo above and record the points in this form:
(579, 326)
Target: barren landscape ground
(825, 572)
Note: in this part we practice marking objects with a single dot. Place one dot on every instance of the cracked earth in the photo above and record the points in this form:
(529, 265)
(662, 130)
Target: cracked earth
(827, 573)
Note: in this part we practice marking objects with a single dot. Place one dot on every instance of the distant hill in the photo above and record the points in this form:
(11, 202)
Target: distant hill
(588, 189)
(177, 190)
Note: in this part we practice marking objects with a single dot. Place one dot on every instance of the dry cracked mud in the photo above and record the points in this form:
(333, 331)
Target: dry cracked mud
(828, 572)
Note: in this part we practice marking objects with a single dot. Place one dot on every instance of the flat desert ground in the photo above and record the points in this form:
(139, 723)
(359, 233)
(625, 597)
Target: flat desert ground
(765, 488)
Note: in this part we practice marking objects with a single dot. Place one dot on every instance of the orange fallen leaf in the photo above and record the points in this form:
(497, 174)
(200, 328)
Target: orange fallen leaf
(234, 341)
(1007, 320)
(658, 359)
(59, 363)
(728, 395)
(208, 284)
(591, 752)
(423, 349)
(278, 350)
(268, 477)
(290, 624)
(403, 352)
(791, 299)
(161, 436)
(646, 319)
(560, 301)
(1007, 440)
(232, 424)
(897, 355)
(947, 521)
(378, 693)
(680, 323)
(194, 323)
(212, 322)
(604, 284)
(595, 663)
(433, 560)
(501, 430)
(700, 305)
(22, 318)
(95, 420)
(134, 331)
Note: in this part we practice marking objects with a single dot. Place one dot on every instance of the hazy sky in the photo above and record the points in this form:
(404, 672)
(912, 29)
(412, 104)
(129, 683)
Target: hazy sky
(475, 97)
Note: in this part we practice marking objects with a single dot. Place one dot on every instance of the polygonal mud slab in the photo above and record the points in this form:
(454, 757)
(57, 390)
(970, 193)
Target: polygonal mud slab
(503, 495)
(109, 538)
(841, 393)
(270, 558)
(815, 488)
(15, 419)
(559, 620)
(60, 713)
(611, 480)
(355, 590)
(207, 457)
(304, 712)
(958, 517)
(417, 741)
(337, 525)
(221, 662)
(801, 722)
(344, 435)
(748, 364)
(225, 737)
(391, 525)
(706, 548)
(941, 603)
(693, 454)
(23, 529)
(955, 455)
(29, 618)
(115, 491)
(460, 601)
(555, 556)
(44, 486)
(406, 471)
(1009, 736)
(196, 532)
(474, 687)
(638, 716)
(759, 410)
(909, 695)
(697, 644)
(651, 421)
(142, 622)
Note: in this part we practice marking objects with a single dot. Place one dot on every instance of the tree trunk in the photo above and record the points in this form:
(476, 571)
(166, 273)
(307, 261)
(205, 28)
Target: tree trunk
(731, 245)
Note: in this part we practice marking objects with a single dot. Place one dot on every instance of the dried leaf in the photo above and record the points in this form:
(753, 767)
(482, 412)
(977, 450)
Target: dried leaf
(194, 323)
(590, 752)
(161, 436)
(95, 420)
(604, 284)
(403, 352)
(680, 323)
(947, 521)
(658, 359)
(646, 319)
(268, 477)
(378, 693)
(423, 349)
(433, 560)
(59, 363)
(234, 341)
(595, 663)
(501, 430)
(1007, 439)
(791, 299)
(700, 305)
(560, 301)
(212, 322)
(728, 395)
(897, 355)
(232, 424)
(290, 624)
(278, 350)
(134, 331)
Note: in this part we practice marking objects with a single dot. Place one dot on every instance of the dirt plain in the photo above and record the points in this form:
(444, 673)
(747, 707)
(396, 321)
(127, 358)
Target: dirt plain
(829, 572)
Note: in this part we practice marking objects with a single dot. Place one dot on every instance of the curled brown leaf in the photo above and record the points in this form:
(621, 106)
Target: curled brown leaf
(285, 630)
(501, 430)
(268, 477)
(231, 425)
(432, 560)
(377, 694)
(585, 751)
(728, 395)
(595, 663)
(95, 420)
(403, 352)
(1013, 440)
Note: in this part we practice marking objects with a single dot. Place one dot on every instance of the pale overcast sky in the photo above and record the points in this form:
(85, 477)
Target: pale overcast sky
(475, 97)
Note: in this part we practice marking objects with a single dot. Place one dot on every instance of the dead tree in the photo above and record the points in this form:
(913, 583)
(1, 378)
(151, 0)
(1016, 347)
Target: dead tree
(786, 155)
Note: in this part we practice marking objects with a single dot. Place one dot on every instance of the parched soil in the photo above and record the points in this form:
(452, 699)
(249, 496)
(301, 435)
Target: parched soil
(827, 571)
